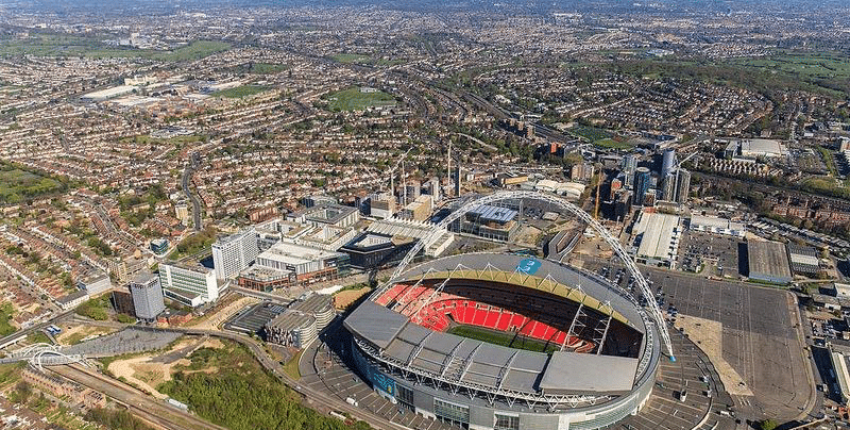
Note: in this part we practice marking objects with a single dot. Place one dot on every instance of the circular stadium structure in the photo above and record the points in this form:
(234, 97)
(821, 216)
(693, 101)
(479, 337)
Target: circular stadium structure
(503, 341)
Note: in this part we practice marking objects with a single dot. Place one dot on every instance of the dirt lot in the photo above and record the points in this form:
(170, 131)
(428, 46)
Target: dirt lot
(345, 298)
(148, 371)
(72, 335)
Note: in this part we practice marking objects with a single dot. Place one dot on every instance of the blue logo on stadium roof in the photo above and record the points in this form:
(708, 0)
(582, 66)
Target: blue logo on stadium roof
(529, 266)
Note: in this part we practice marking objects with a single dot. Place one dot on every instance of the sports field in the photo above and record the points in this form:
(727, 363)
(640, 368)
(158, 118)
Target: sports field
(511, 340)
(353, 99)
(241, 92)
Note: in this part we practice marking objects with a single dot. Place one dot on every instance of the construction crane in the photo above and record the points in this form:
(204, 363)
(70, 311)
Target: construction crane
(398, 163)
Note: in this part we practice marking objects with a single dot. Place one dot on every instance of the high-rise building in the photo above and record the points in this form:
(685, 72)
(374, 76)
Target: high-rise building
(190, 285)
(668, 162)
(643, 179)
(434, 186)
(668, 190)
(458, 173)
(629, 166)
(147, 296)
(234, 253)
(683, 187)
(412, 191)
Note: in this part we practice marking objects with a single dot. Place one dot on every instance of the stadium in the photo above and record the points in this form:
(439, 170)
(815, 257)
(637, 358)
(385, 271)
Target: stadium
(503, 341)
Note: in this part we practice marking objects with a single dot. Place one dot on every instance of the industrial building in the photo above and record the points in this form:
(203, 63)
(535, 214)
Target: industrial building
(191, 285)
(234, 253)
(400, 229)
(751, 149)
(304, 262)
(372, 250)
(265, 279)
(99, 96)
(487, 221)
(656, 238)
(803, 260)
(842, 375)
(417, 210)
(300, 325)
(326, 215)
(768, 262)
(147, 296)
(717, 225)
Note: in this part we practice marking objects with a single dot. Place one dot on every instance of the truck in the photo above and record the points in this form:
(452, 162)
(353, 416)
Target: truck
(351, 401)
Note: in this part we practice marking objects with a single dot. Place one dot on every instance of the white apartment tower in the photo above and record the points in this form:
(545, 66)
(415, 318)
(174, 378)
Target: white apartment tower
(234, 253)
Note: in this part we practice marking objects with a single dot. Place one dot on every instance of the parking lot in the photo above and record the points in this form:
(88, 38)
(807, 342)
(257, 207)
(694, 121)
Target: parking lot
(754, 320)
(721, 255)
(693, 374)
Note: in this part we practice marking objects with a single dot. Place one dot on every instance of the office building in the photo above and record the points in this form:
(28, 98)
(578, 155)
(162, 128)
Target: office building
(668, 162)
(629, 167)
(642, 183)
(234, 253)
(683, 187)
(434, 187)
(147, 296)
(668, 188)
(94, 282)
(191, 285)
(159, 246)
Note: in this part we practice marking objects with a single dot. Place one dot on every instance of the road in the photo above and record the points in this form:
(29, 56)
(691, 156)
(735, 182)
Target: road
(8, 340)
(196, 204)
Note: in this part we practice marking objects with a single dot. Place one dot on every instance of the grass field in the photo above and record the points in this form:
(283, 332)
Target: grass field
(352, 99)
(591, 134)
(511, 340)
(17, 184)
(177, 140)
(807, 65)
(265, 68)
(50, 45)
(351, 58)
(6, 314)
(241, 92)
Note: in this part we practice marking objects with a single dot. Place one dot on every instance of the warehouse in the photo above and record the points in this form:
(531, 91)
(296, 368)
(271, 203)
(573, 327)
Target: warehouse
(768, 262)
(717, 225)
(656, 238)
(803, 260)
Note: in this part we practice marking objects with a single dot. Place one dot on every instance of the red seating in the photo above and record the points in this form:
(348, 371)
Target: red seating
(503, 321)
(479, 317)
(442, 309)
(492, 318)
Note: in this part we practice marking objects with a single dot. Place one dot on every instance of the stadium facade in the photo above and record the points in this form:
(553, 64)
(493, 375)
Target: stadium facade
(506, 342)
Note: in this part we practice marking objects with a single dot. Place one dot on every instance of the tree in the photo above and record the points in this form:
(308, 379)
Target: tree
(768, 424)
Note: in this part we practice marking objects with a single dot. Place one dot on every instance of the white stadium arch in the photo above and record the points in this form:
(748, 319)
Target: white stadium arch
(652, 306)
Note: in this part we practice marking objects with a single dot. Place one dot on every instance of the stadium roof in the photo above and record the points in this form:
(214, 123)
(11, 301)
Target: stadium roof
(376, 323)
(588, 374)
(480, 363)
